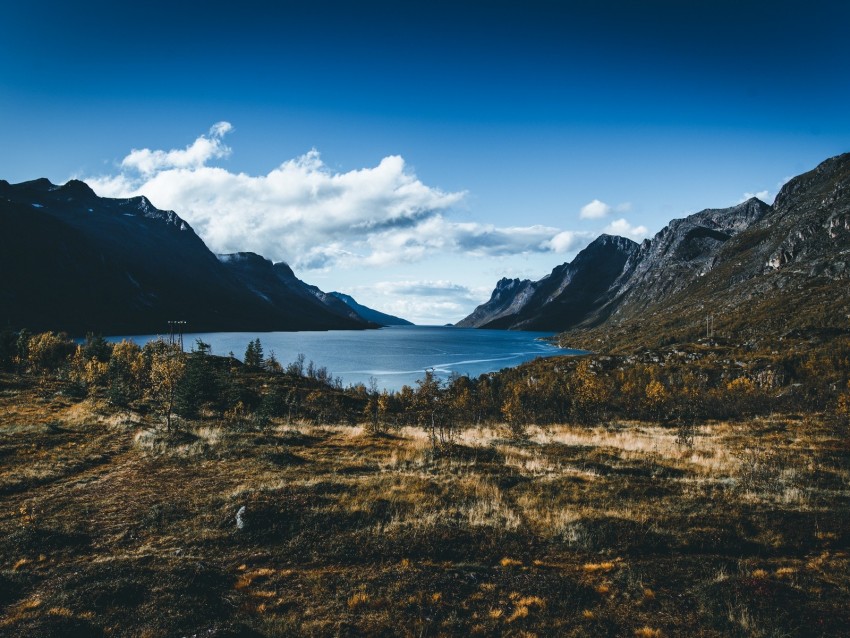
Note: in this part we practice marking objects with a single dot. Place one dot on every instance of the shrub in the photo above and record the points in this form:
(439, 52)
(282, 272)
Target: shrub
(47, 351)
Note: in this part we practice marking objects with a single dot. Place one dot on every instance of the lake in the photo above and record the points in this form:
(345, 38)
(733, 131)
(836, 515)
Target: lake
(394, 356)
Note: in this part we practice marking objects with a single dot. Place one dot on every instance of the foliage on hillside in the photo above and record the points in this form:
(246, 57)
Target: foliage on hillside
(678, 385)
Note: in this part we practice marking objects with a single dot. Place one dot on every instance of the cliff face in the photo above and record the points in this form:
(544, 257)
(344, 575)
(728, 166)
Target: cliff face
(508, 298)
(753, 271)
(681, 253)
(782, 268)
(560, 300)
(78, 262)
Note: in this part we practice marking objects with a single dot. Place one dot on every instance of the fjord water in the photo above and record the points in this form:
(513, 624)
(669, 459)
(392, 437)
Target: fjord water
(394, 356)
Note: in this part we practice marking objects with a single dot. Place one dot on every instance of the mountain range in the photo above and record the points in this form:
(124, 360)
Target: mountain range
(747, 272)
(73, 261)
(370, 314)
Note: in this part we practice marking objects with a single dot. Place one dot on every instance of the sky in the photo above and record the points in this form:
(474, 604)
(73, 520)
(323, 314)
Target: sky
(413, 153)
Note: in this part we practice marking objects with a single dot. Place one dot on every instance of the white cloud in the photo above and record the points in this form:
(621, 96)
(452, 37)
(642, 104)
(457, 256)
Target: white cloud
(623, 228)
(315, 218)
(569, 241)
(201, 151)
(762, 195)
(595, 210)
(300, 209)
(424, 301)
(598, 209)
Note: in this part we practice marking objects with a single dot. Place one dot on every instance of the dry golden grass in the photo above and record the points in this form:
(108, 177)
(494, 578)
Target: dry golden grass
(110, 528)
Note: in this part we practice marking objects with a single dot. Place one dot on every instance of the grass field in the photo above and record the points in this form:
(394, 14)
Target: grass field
(111, 529)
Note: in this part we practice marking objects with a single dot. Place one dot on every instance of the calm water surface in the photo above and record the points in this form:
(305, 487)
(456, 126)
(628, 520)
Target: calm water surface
(395, 356)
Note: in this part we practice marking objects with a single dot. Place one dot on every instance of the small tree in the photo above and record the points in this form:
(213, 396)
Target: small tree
(272, 405)
(372, 409)
(296, 368)
(655, 399)
(47, 351)
(254, 354)
(200, 383)
(87, 372)
(513, 410)
(96, 347)
(272, 364)
(127, 374)
(429, 406)
(589, 394)
(167, 367)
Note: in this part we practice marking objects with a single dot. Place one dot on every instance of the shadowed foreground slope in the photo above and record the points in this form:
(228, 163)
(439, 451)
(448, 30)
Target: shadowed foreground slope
(110, 529)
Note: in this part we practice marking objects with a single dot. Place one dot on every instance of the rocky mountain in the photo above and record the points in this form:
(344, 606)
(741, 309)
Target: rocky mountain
(681, 252)
(787, 272)
(278, 285)
(77, 262)
(562, 299)
(508, 298)
(751, 273)
(370, 314)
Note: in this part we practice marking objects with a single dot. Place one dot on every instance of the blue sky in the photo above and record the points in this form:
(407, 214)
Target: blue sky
(412, 153)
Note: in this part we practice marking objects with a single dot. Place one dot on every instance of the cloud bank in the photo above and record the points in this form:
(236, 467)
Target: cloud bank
(431, 301)
(313, 217)
(337, 224)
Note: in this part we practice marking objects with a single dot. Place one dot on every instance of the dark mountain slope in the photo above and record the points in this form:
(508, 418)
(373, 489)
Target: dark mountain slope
(370, 314)
(563, 298)
(575, 290)
(508, 298)
(78, 262)
(277, 284)
(35, 283)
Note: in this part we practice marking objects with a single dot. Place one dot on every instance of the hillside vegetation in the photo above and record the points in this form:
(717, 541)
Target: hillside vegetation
(695, 491)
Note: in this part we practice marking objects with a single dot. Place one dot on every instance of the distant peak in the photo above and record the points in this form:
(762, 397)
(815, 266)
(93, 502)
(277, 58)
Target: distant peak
(77, 188)
(752, 202)
(616, 240)
(41, 184)
(607, 242)
(504, 283)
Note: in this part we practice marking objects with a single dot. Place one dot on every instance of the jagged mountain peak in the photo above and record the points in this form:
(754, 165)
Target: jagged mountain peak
(258, 263)
(613, 271)
(507, 284)
(834, 169)
(612, 240)
(284, 270)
